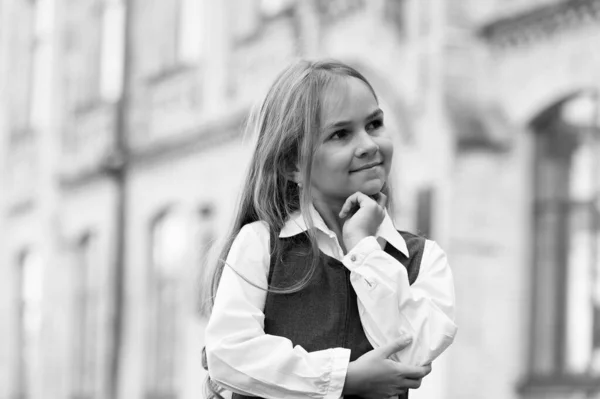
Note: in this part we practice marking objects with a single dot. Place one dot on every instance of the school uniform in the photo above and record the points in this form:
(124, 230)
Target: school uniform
(299, 345)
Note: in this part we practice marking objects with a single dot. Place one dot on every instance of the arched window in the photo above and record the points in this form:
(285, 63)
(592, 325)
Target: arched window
(169, 244)
(565, 334)
(87, 326)
(30, 294)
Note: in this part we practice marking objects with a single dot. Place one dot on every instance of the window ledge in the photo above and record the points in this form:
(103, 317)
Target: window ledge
(169, 72)
(561, 382)
(160, 395)
(89, 106)
(21, 134)
(253, 36)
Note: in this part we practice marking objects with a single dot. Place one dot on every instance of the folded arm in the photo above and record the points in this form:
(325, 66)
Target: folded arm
(390, 307)
(241, 357)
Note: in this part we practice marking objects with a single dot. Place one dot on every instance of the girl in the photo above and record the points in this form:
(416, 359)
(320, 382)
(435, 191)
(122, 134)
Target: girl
(317, 274)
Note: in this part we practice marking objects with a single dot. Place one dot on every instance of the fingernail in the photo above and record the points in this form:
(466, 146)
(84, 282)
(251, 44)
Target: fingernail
(406, 340)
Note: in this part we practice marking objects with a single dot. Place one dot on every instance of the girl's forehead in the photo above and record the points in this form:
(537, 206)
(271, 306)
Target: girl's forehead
(343, 97)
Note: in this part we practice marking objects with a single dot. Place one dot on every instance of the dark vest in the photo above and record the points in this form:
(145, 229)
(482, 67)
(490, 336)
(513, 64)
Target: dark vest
(324, 314)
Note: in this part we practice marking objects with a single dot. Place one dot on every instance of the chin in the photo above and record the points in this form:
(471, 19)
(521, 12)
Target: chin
(372, 188)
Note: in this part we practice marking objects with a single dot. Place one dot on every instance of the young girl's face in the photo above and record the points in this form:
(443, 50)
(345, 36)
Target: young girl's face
(355, 151)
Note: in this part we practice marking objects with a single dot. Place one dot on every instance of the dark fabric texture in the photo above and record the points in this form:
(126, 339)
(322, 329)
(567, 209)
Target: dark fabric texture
(324, 314)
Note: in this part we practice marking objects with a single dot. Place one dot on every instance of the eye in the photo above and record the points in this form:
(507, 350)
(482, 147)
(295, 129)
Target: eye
(339, 134)
(375, 124)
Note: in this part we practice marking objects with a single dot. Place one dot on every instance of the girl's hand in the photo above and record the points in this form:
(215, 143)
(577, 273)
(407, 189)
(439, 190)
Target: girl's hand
(364, 214)
(374, 376)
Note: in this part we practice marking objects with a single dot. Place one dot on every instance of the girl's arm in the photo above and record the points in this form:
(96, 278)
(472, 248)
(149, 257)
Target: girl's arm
(241, 357)
(389, 306)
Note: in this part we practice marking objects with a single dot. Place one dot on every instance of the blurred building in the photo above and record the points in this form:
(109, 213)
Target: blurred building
(122, 157)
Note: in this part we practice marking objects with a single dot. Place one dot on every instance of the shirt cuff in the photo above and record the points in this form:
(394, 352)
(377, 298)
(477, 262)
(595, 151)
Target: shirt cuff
(341, 359)
(359, 253)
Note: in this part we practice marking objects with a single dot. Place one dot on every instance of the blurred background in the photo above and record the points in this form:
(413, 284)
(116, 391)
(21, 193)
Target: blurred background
(121, 156)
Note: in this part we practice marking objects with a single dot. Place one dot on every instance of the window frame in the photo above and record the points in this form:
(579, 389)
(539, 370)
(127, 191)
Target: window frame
(27, 342)
(156, 368)
(553, 372)
(86, 306)
(164, 65)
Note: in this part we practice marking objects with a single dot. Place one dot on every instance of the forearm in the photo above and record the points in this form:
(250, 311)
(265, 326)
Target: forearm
(279, 371)
(391, 307)
(242, 358)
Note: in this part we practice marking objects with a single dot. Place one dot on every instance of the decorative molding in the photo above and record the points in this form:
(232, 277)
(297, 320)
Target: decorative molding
(204, 139)
(332, 10)
(540, 24)
(89, 140)
(479, 128)
(565, 383)
(175, 102)
(290, 13)
(19, 208)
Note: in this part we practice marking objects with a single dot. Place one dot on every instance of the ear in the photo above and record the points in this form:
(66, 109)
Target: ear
(294, 175)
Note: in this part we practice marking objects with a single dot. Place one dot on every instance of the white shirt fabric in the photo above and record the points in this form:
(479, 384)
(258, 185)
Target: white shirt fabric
(243, 359)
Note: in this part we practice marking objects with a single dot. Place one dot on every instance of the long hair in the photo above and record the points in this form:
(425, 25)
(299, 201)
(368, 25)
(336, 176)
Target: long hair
(287, 130)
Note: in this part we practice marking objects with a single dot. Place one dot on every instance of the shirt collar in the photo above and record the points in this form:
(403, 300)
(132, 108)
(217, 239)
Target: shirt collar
(296, 225)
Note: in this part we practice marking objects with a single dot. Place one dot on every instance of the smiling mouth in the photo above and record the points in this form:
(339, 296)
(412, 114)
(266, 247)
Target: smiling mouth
(367, 166)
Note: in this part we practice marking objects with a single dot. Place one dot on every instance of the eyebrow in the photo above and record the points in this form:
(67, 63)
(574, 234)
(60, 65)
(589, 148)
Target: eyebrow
(378, 112)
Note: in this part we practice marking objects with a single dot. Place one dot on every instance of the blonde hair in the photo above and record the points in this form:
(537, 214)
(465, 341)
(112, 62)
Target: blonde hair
(287, 130)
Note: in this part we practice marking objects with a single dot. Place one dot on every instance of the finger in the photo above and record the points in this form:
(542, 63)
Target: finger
(348, 205)
(381, 200)
(415, 372)
(353, 202)
(411, 383)
(393, 347)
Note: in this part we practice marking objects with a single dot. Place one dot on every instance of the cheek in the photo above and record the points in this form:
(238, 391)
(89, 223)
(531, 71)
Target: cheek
(333, 162)
(387, 150)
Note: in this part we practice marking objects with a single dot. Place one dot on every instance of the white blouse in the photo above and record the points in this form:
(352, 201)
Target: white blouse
(243, 359)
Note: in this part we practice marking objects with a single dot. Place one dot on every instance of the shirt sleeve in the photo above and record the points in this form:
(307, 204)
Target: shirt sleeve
(245, 360)
(390, 307)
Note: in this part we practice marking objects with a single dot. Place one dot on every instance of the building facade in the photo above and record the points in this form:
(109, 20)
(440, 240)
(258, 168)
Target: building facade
(122, 155)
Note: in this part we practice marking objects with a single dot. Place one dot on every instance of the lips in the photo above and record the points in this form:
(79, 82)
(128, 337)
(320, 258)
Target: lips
(366, 166)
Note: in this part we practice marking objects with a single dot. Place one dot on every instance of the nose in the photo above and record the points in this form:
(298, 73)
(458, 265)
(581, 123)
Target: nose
(366, 145)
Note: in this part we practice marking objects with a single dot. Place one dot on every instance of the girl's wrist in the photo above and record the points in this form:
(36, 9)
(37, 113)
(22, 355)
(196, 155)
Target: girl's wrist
(352, 382)
(352, 241)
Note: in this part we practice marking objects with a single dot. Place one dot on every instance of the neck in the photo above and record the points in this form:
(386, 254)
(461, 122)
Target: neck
(330, 211)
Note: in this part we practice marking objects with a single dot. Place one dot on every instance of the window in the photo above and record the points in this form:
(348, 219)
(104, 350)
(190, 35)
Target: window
(86, 316)
(169, 243)
(95, 43)
(41, 70)
(29, 65)
(189, 31)
(30, 291)
(85, 39)
(20, 54)
(567, 244)
(112, 50)
(177, 32)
